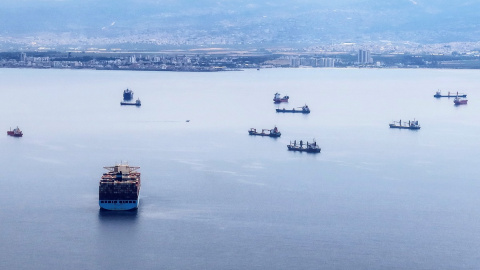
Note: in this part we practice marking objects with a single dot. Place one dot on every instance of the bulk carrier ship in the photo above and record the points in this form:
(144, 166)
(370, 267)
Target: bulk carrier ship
(119, 188)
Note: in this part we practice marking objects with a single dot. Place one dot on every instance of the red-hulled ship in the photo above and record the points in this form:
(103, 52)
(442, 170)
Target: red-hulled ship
(278, 99)
(460, 101)
(16, 132)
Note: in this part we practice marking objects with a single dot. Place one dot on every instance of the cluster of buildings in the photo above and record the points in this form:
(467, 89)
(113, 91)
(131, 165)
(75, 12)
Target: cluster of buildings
(224, 60)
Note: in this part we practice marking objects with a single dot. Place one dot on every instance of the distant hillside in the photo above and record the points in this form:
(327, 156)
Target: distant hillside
(247, 21)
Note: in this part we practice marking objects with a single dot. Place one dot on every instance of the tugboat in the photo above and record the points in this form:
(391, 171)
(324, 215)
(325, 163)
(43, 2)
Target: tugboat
(127, 94)
(309, 147)
(16, 132)
(411, 125)
(438, 94)
(278, 99)
(265, 132)
(460, 101)
(136, 103)
(304, 109)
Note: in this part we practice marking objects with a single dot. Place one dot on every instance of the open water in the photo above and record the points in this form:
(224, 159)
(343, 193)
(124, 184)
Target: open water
(214, 197)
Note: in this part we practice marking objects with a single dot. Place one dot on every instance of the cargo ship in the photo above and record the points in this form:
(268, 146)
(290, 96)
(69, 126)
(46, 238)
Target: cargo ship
(309, 147)
(438, 94)
(460, 101)
(136, 103)
(119, 188)
(278, 99)
(406, 125)
(265, 132)
(127, 94)
(303, 109)
(16, 132)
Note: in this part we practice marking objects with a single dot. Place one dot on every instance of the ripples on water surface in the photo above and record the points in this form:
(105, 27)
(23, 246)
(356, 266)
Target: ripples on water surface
(214, 197)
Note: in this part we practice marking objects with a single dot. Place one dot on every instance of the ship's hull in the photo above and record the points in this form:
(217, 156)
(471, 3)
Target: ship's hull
(292, 111)
(119, 205)
(461, 102)
(11, 133)
(301, 149)
(280, 100)
(449, 96)
(404, 127)
(130, 103)
(265, 134)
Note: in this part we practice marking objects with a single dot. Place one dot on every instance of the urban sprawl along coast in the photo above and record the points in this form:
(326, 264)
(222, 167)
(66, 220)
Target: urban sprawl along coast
(381, 55)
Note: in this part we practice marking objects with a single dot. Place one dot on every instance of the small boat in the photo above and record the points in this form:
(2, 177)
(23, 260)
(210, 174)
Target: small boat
(16, 132)
(304, 109)
(278, 99)
(136, 103)
(265, 132)
(460, 101)
(406, 125)
(127, 94)
(438, 94)
(309, 147)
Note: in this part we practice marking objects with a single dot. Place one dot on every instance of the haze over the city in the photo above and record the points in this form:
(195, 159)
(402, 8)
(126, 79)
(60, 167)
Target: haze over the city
(234, 23)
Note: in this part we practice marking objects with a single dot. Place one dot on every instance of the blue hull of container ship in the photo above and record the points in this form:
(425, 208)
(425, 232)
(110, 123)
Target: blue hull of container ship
(118, 205)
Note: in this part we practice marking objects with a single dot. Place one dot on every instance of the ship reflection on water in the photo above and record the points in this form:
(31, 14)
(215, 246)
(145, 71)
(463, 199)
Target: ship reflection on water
(114, 216)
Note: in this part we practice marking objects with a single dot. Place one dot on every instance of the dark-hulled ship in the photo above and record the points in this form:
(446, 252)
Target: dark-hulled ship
(137, 103)
(119, 188)
(301, 147)
(127, 94)
(304, 109)
(265, 132)
(438, 94)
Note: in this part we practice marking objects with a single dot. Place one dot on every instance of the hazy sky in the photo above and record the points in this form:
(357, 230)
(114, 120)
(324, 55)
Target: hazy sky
(456, 19)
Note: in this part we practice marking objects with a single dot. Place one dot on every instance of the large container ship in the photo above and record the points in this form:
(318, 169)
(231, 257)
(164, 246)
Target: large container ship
(119, 188)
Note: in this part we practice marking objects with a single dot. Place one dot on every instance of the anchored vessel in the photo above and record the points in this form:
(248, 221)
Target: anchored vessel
(119, 188)
(278, 99)
(309, 147)
(304, 109)
(127, 94)
(406, 125)
(136, 103)
(265, 132)
(438, 94)
(460, 101)
(16, 132)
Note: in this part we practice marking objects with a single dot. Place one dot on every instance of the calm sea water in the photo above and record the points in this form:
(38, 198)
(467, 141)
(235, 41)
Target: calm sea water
(214, 197)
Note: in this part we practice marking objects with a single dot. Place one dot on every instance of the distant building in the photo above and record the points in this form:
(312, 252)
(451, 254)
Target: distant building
(132, 59)
(295, 62)
(364, 57)
(325, 62)
(23, 57)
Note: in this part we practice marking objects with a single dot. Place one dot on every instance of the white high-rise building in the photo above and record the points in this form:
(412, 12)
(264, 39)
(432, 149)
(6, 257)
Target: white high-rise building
(364, 57)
